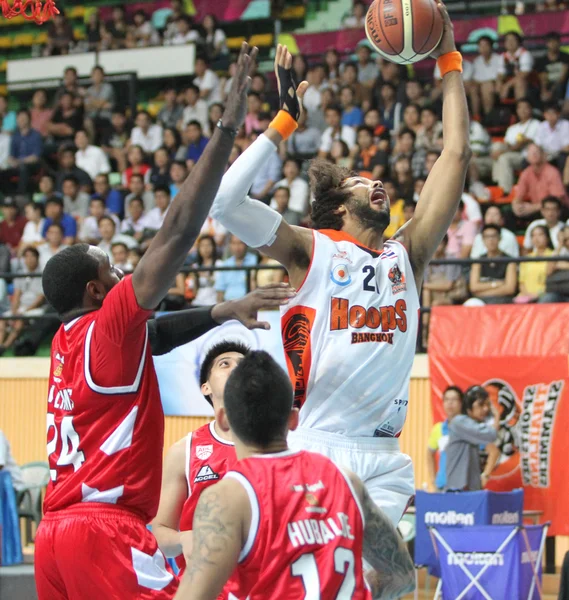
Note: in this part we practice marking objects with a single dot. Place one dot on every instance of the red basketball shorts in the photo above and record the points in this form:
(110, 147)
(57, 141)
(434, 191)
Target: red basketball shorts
(95, 552)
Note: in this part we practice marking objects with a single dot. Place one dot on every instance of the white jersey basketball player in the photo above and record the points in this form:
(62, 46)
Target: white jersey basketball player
(349, 335)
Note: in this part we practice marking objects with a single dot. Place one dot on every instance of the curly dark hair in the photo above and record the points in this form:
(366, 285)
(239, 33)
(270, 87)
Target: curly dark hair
(325, 181)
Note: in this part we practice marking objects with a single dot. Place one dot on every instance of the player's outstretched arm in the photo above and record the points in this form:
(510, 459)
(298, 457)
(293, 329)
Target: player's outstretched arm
(444, 186)
(250, 220)
(222, 517)
(393, 573)
(187, 213)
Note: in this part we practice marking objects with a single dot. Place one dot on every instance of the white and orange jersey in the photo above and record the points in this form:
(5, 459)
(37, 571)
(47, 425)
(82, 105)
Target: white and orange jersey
(349, 337)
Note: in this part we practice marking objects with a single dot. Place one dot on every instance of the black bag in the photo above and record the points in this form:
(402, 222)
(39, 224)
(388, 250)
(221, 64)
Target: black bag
(558, 283)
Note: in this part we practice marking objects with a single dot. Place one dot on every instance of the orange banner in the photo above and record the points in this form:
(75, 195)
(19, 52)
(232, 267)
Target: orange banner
(520, 354)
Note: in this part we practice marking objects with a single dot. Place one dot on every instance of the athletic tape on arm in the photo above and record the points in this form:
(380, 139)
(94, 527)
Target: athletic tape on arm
(250, 220)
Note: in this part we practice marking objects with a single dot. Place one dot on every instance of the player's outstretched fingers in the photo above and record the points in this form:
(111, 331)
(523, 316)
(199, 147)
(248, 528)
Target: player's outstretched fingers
(301, 89)
(254, 324)
(253, 56)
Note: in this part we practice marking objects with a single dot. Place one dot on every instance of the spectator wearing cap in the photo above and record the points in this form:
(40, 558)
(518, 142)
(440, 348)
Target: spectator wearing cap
(553, 69)
(25, 151)
(298, 187)
(207, 81)
(146, 135)
(551, 218)
(335, 131)
(54, 214)
(517, 64)
(196, 108)
(552, 135)
(90, 158)
(508, 242)
(352, 115)
(75, 202)
(538, 180)
(197, 142)
(509, 156)
(12, 225)
(113, 198)
(171, 113)
(486, 69)
(68, 166)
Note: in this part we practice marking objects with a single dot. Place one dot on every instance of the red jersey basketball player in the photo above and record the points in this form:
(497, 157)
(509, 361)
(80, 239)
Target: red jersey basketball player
(105, 426)
(197, 461)
(285, 524)
(349, 334)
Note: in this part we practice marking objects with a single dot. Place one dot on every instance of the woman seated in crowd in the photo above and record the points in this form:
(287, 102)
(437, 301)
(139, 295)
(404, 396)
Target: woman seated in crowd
(533, 274)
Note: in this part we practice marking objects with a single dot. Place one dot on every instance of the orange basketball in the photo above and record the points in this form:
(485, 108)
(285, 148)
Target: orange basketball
(404, 31)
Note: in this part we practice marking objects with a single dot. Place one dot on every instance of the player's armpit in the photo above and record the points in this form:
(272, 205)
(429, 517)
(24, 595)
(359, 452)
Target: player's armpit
(219, 533)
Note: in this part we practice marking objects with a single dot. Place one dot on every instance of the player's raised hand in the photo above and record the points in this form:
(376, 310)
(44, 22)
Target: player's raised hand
(447, 43)
(236, 106)
(289, 93)
(245, 309)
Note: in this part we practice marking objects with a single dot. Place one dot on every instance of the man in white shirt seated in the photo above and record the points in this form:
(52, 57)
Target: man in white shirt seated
(109, 236)
(133, 224)
(184, 32)
(53, 243)
(145, 134)
(508, 242)
(196, 108)
(335, 131)
(551, 213)
(486, 68)
(207, 81)
(509, 156)
(517, 64)
(299, 188)
(89, 232)
(90, 158)
(120, 252)
(553, 134)
(154, 218)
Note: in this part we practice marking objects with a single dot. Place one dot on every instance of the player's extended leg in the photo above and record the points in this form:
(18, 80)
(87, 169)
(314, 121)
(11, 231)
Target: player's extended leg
(107, 552)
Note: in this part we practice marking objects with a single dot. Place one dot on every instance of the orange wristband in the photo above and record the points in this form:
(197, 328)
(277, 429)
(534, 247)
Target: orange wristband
(451, 61)
(284, 124)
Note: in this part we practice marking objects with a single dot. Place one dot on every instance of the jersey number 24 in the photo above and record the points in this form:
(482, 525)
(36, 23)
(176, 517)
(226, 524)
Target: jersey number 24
(69, 453)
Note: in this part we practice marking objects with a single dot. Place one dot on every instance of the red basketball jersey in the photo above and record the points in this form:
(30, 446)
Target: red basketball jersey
(208, 458)
(105, 425)
(306, 533)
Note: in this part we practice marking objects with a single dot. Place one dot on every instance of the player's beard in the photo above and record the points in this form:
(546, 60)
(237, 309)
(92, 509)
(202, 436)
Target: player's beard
(378, 220)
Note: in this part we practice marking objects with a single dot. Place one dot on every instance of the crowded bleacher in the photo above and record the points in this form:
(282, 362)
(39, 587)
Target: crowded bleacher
(78, 163)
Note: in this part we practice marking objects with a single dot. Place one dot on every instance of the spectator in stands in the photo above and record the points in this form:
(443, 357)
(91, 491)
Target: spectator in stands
(137, 189)
(299, 67)
(60, 38)
(197, 142)
(178, 10)
(335, 131)
(340, 154)
(533, 274)
(117, 27)
(461, 235)
(481, 161)
(254, 106)
(75, 202)
(115, 140)
(467, 432)
(412, 118)
(47, 189)
(12, 224)
(89, 232)
(352, 115)
(332, 67)
(430, 135)
(215, 40)
(5, 142)
(200, 286)
(391, 110)
(517, 64)
(160, 172)
(155, 217)
(7, 463)
(438, 439)
(173, 144)
(231, 285)
(414, 93)
(508, 243)
(552, 135)
(54, 215)
(178, 174)
(304, 143)
(486, 70)
(196, 109)
(394, 74)
(67, 166)
(281, 203)
(357, 19)
(537, 181)
(299, 189)
(70, 84)
(32, 235)
(368, 160)
(99, 101)
(509, 156)
(40, 113)
(214, 113)
(66, 120)
(8, 116)
(557, 281)
(25, 151)
(90, 158)
(185, 34)
(113, 198)
(349, 76)
(405, 147)
(28, 299)
(135, 157)
(109, 236)
(171, 113)
(5, 267)
(312, 100)
(144, 33)
(495, 282)
(93, 31)
(120, 257)
(553, 69)
(368, 71)
(146, 135)
(551, 218)
(133, 224)
(54, 241)
(207, 81)
(266, 178)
